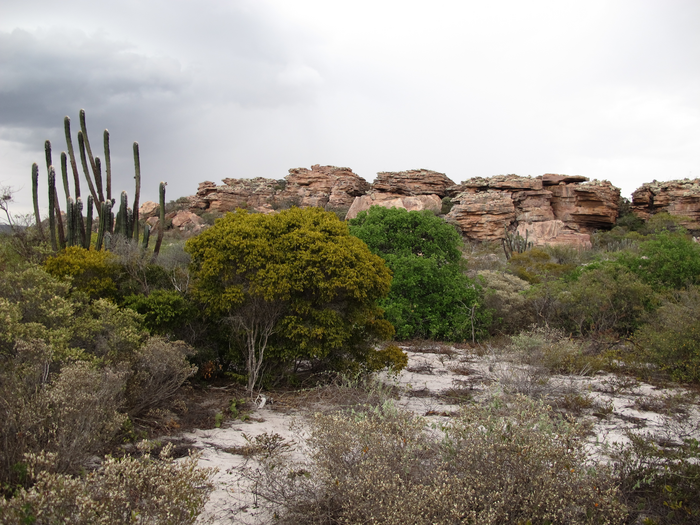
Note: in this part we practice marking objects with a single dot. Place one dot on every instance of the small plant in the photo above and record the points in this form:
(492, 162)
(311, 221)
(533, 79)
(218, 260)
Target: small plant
(235, 407)
(218, 419)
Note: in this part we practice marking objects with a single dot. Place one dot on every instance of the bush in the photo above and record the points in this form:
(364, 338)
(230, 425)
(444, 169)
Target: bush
(670, 260)
(131, 490)
(537, 265)
(430, 297)
(671, 339)
(71, 413)
(92, 272)
(500, 464)
(503, 295)
(160, 368)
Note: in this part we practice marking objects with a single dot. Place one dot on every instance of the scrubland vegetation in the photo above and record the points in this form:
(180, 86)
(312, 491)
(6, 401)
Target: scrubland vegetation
(95, 347)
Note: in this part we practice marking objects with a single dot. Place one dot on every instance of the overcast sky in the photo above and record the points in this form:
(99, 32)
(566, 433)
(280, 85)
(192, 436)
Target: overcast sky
(248, 88)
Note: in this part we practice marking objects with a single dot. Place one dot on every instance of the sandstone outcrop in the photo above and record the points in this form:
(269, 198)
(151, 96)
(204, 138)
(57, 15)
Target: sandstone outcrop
(552, 209)
(677, 197)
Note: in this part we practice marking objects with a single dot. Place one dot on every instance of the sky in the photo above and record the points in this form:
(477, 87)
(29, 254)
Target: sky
(251, 88)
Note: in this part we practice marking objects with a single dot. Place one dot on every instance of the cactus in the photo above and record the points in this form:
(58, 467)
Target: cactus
(515, 243)
(52, 200)
(70, 208)
(86, 170)
(88, 224)
(137, 191)
(108, 165)
(77, 232)
(35, 198)
(146, 235)
(161, 223)
(71, 153)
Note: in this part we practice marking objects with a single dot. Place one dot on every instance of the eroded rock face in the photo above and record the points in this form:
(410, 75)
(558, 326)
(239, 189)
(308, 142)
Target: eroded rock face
(677, 197)
(553, 209)
(392, 200)
(412, 183)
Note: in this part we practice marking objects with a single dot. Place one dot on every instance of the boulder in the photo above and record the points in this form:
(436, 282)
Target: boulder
(680, 198)
(483, 216)
(327, 187)
(552, 232)
(148, 209)
(391, 200)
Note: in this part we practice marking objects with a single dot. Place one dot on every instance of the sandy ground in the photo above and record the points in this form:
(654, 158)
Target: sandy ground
(433, 385)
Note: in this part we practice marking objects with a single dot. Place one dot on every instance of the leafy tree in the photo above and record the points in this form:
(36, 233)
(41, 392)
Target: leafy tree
(430, 294)
(292, 286)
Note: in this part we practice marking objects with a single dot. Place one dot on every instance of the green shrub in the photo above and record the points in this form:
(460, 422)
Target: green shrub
(671, 339)
(391, 357)
(500, 464)
(164, 311)
(503, 296)
(430, 297)
(536, 266)
(669, 260)
(92, 272)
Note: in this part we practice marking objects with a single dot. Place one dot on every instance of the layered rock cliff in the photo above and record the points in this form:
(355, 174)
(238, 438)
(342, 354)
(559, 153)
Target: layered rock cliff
(549, 208)
(677, 197)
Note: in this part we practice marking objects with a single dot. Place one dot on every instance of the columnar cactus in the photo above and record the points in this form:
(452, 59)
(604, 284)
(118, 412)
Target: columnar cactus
(52, 201)
(137, 190)
(161, 223)
(35, 198)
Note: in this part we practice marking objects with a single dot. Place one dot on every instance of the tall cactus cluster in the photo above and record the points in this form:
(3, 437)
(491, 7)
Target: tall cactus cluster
(77, 230)
(515, 243)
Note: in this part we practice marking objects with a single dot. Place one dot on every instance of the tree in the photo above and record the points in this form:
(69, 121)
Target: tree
(430, 295)
(292, 286)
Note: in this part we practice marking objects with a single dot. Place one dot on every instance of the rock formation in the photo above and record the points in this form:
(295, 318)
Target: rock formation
(552, 209)
(677, 197)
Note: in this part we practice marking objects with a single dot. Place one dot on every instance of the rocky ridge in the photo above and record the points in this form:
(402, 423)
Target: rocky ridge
(549, 209)
(676, 197)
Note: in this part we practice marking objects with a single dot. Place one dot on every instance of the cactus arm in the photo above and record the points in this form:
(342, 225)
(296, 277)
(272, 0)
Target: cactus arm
(146, 235)
(88, 223)
(86, 170)
(70, 210)
(52, 201)
(71, 153)
(79, 223)
(161, 224)
(98, 178)
(83, 128)
(137, 191)
(35, 198)
(108, 165)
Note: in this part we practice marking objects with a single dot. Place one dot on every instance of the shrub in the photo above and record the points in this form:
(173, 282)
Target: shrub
(92, 272)
(430, 297)
(290, 286)
(670, 260)
(499, 464)
(71, 413)
(503, 296)
(391, 357)
(671, 339)
(160, 368)
(130, 490)
(164, 311)
(536, 266)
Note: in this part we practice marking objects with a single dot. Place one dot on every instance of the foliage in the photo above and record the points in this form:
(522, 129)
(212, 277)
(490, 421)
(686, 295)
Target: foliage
(390, 357)
(498, 464)
(430, 296)
(131, 490)
(671, 338)
(668, 260)
(503, 295)
(536, 266)
(164, 311)
(293, 285)
(160, 367)
(92, 272)
(660, 482)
